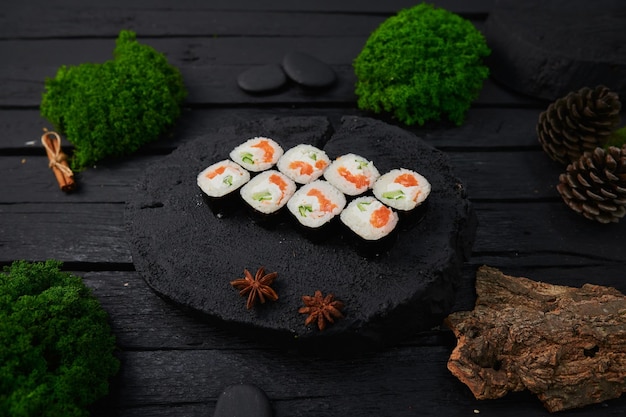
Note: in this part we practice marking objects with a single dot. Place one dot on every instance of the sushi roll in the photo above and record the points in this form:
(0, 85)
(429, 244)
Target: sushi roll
(218, 183)
(369, 218)
(314, 205)
(402, 189)
(303, 163)
(372, 225)
(351, 174)
(268, 192)
(257, 154)
(222, 178)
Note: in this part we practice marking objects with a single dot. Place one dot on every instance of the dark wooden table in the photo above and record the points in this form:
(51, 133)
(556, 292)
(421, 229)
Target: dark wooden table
(175, 364)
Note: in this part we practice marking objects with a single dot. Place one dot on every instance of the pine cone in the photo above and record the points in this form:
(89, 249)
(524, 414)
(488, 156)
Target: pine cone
(578, 122)
(595, 185)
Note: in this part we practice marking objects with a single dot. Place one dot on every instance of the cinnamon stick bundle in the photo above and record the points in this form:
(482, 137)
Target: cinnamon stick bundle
(566, 345)
(58, 161)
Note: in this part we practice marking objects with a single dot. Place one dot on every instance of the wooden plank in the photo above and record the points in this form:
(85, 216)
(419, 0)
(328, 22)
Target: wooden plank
(551, 228)
(109, 182)
(46, 55)
(198, 376)
(80, 21)
(484, 129)
(91, 232)
(323, 6)
(75, 22)
(494, 176)
(399, 382)
(515, 405)
(209, 67)
(500, 176)
(21, 131)
(489, 129)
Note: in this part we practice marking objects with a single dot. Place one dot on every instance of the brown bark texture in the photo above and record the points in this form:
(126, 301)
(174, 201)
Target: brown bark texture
(566, 345)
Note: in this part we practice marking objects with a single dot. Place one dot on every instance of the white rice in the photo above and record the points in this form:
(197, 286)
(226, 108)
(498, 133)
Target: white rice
(252, 154)
(396, 189)
(303, 163)
(264, 194)
(360, 217)
(316, 203)
(222, 178)
(351, 174)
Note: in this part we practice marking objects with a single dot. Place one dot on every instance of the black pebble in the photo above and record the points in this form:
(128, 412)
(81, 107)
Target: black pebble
(262, 79)
(243, 400)
(307, 70)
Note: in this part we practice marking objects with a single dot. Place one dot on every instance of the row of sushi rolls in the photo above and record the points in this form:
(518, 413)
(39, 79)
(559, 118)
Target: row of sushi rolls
(314, 189)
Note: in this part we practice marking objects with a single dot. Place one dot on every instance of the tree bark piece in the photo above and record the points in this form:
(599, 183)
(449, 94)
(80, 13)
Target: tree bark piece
(566, 345)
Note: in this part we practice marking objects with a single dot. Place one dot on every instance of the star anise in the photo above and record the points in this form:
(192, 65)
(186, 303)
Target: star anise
(321, 309)
(256, 287)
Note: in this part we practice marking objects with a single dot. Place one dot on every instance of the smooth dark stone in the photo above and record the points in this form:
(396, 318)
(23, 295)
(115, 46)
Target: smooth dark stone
(243, 400)
(262, 79)
(547, 49)
(189, 256)
(307, 70)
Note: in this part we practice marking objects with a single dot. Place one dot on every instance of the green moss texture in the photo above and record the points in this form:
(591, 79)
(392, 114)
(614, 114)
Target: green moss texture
(111, 109)
(56, 344)
(422, 64)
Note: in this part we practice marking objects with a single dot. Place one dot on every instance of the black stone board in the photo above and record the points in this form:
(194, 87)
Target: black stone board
(547, 49)
(189, 256)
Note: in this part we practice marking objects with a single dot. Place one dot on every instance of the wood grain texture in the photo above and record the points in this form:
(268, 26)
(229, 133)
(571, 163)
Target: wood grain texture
(113, 181)
(94, 232)
(486, 128)
(174, 363)
(209, 66)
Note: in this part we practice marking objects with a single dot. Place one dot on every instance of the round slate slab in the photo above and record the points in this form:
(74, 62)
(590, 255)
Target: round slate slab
(547, 49)
(189, 256)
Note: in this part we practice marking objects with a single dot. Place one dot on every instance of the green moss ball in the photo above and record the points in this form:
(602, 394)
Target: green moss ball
(420, 64)
(111, 109)
(56, 346)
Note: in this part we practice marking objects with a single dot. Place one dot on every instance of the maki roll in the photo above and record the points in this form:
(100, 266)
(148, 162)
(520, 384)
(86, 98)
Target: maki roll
(268, 192)
(402, 189)
(219, 181)
(303, 163)
(315, 205)
(257, 154)
(222, 178)
(372, 223)
(405, 191)
(351, 174)
(369, 218)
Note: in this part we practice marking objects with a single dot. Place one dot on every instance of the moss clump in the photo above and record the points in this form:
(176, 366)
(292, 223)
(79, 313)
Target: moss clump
(420, 64)
(56, 350)
(112, 109)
